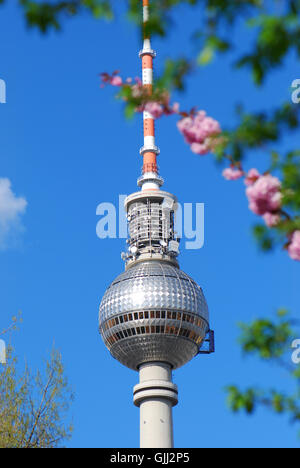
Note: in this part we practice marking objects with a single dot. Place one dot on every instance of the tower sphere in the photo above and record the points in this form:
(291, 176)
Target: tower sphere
(153, 312)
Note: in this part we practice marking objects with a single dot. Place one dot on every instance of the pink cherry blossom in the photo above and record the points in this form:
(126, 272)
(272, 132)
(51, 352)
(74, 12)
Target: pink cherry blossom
(252, 177)
(184, 126)
(198, 131)
(137, 91)
(294, 247)
(176, 107)
(116, 80)
(200, 148)
(271, 219)
(264, 195)
(155, 109)
(232, 173)
(138, 81)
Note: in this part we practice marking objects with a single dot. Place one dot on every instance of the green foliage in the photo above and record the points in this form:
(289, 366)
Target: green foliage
(268, 339)
(276, 36)
(14, 323)
(276, 33)
(265, 238)
(290, 167)
(174, 74)
(33, 407)
(259, 129)
(213, 44)
(238, 400)
(271, 341)
(252, 398)
(47, 15)
(160, 14)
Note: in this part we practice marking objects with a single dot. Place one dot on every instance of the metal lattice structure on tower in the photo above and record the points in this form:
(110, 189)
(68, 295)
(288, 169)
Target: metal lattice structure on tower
(153, 317)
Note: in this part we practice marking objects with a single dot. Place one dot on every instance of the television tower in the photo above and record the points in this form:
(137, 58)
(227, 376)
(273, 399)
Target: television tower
(153, 318)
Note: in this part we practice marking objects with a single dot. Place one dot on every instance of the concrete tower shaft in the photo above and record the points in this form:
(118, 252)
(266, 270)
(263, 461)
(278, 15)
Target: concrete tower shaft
(156, 395)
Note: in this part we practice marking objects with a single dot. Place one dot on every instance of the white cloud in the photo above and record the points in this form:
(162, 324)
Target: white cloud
(2, 352)
(11, 210)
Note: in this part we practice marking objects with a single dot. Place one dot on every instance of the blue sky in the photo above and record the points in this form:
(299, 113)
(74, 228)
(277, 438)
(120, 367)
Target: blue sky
(66, 147)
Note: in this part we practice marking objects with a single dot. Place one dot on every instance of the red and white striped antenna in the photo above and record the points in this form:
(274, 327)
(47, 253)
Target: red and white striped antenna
(150, 179)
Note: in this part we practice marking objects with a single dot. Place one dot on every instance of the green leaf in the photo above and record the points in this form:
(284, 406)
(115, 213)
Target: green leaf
(206, 56)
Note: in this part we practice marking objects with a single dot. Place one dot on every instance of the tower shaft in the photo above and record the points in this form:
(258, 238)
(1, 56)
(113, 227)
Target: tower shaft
(156, 395)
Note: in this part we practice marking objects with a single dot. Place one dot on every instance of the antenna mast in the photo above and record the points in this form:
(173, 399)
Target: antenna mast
(150, 179)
